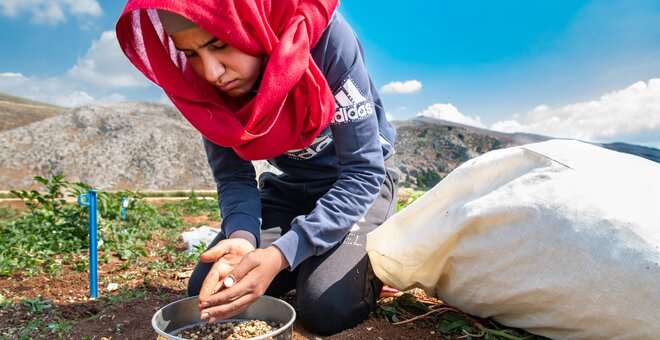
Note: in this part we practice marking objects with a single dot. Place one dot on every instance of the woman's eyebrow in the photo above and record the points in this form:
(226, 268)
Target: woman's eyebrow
(209, 42)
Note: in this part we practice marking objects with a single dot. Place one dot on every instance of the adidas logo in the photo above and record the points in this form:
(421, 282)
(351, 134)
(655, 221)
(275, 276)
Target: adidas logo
(351, 104)
(320, 143)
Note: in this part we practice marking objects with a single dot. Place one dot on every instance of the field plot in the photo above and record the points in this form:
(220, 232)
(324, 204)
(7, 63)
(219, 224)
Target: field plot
(144, 265)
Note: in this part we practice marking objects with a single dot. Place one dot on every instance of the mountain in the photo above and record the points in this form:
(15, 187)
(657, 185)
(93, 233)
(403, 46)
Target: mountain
(152, 147)
(115, 146)
(428, 149)
(16, 112)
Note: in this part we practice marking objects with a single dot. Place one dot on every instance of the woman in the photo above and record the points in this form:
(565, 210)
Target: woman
(283, 81)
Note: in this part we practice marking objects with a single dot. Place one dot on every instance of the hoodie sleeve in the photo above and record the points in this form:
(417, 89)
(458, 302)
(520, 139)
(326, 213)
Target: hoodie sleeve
(357, 142)
(238, 196)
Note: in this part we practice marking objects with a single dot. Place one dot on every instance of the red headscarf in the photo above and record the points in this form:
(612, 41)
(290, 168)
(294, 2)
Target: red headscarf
(294, 102)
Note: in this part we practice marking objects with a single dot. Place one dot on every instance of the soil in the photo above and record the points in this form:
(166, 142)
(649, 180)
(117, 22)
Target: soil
(58, 306)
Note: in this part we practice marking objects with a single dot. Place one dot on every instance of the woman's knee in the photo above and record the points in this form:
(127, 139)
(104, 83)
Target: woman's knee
(326, 315)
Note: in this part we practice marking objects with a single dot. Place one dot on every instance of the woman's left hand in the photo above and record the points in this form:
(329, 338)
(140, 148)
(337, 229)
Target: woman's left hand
(244, 284)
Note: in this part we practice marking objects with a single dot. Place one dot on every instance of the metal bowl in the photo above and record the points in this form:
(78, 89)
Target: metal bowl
(182, 314)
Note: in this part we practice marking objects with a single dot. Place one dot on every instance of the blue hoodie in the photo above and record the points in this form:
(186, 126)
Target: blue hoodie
(350, 151)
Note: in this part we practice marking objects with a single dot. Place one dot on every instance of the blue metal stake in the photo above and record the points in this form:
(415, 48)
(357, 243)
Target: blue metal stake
(90, 201)
(124, 205)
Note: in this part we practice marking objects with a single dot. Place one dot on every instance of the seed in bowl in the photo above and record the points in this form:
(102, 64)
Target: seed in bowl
(232, 330)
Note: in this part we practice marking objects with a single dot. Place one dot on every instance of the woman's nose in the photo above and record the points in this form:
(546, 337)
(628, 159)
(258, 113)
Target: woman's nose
(213, 69)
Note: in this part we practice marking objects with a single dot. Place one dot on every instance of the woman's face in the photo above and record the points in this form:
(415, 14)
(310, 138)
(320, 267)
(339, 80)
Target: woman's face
(227, 68)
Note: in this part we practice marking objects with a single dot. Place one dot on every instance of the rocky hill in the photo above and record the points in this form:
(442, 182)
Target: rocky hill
(428, 149)
(118, 146)
(151, 147)
(16, 112)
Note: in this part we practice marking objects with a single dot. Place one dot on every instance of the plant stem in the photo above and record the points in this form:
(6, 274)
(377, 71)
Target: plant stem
(499, 333)
(444, 309)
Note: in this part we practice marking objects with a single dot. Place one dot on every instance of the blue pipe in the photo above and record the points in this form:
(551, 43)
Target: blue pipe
(124, 205)
(90, 201)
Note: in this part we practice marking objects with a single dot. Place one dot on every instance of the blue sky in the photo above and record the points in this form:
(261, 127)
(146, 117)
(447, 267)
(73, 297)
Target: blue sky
(565, 68)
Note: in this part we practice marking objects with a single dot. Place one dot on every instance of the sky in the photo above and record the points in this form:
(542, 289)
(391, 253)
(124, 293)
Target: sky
(580, 69)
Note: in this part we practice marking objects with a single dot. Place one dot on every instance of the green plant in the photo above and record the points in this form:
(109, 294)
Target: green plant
(127, 295)
(54, 227)
(51, 200)
(7, 213)
(175, 258)
(427, 180)
(59, 326)
(31, 328)
(189, 257)
(449, 321)
(4, 303)
(452, 323)
(51, 227)
(37, 305)
(400, 205)
(404, 306)
(80, 265)
(194, 206)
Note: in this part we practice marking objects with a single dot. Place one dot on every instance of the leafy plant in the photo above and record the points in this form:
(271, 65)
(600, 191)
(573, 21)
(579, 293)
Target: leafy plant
(80, 265)
(4, 303)
(37, 305)
(401, 204)
(58, 327)
(452, 322)
(176, 258)
(53, 226)
(405, 306)
(448, 321)
(127, 295)
(30, 329)
(195, 206)
(428, 179)
(51, 200)
(7, 213)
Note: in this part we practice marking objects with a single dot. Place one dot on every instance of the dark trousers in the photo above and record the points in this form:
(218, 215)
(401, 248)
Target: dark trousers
(338, 289)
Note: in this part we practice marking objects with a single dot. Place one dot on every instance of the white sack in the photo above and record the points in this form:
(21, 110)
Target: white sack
(560, 238)
(196, 237)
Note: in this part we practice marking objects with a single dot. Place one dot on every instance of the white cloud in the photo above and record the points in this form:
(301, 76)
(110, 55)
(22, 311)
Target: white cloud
(51, 12)
(10, 75)
(44, 89)
(105, 65)
(96, 78)
(389, 116)
(450, 113)
(74, 99)
(409, 86)
(632, 111)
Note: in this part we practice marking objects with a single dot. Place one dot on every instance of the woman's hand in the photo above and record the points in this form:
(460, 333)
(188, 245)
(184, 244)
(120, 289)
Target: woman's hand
(226, 254)
(244, 284)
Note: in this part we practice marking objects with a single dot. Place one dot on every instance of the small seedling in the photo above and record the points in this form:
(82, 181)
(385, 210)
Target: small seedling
(60, 326)
(30, 328)
(37, 305)
(452, 322)
(127, 295)
(404, 306)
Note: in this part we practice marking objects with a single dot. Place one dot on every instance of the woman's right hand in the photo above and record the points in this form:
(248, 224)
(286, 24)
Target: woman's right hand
(226, 255)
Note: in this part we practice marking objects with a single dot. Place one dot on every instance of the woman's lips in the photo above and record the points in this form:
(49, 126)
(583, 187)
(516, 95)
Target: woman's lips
(226, 86)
